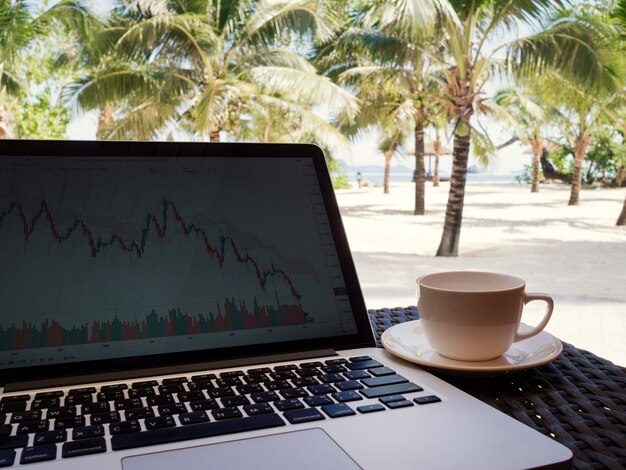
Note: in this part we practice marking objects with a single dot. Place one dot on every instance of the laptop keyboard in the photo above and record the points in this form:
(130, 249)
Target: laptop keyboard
(88, 420)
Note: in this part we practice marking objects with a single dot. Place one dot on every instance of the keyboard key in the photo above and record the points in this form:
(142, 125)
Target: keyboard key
(349, 385)
(190, 396)
(160, 400)
(308, 372)
(277, 385)
(237, 400)
(13, 398)
(360, 359)
(88, 446)
(195, 431)
(7, 458)
(160, 422)
(69, 422)
(384, 380)
(95, 408)
(139, 413)
(171, 388)
(106, 417)
(110, 395)
(12, 406)
(259, 370)
(356, 375)
(399, 404)
(376, 392)
(319, 400)
(78, 399)
(201, 405)
(82, 391)
(42, 403)
(290, 404)
(228, 381)
(390, 398)
(128, 404)
(5, 429)
(50, 394)
(286, 367)
(321, 389)
(141, 392)
(380, 371)
(226, 413)
(258, 409)
(309, 365)
(124, 427)
(256, 378)
(87, 432)
(32, 426)
(283, 375)
(370, 408)
(333, 369)
(426, 400)
(107, 388)
(303, 416)
(338, 410)
(231, 373)
(336, 361)
(172, 409)
(193, 418)
(3, 417)
(49, 437)
(20, 416)
(145, 383)
(174, 380)
(293, 393)
(40, 453)
(360, 365)
(349, 395)
(203, 377)
(247, 389)
(331, 378)
(13, 442)
(220, 392)
(304, 381)
(61, 412)
(264, 397)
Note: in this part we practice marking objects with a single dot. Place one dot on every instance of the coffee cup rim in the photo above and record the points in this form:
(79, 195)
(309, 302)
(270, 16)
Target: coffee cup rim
(515, 282)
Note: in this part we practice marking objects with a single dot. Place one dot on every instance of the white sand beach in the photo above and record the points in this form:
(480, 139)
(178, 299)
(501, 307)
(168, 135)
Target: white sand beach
(574, 253)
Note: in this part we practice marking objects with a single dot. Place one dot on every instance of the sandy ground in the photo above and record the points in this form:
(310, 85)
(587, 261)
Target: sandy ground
(574, 253)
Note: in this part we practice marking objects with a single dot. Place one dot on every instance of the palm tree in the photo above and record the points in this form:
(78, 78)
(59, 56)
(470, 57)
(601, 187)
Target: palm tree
(567, 44)
(20, 23)
(382, 48)
(204, 65)
(526, 116)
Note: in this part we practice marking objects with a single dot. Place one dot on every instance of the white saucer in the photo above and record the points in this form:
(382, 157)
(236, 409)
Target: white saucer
(408, 341)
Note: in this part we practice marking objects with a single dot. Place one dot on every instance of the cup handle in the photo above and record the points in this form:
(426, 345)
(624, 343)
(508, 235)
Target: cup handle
(529, 298)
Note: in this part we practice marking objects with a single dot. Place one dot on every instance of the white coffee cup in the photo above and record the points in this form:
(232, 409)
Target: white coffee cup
(475, 316)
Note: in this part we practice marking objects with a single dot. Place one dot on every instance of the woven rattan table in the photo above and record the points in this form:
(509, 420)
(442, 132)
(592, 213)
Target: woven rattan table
(579, 399)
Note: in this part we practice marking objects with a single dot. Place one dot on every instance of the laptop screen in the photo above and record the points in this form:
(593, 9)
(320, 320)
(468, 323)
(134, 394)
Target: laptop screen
(165, 252)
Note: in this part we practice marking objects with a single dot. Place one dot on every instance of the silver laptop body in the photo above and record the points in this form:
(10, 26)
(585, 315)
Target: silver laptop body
(195, 305)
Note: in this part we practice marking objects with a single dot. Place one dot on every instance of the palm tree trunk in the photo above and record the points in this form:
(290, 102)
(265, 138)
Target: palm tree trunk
(388, 156)
(537, 146)
(449, 245)
(621, 220)
(105, 122)
(437, 150)
(581, 144)
(420, 180)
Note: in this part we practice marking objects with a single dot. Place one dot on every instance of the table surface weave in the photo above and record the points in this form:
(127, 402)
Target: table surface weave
(579, 399)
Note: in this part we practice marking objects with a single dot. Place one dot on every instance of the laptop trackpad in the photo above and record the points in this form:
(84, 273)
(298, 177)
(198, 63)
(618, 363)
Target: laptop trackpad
(307, 449)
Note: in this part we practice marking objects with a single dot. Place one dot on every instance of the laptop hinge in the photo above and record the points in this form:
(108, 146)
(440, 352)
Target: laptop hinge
(177, 369)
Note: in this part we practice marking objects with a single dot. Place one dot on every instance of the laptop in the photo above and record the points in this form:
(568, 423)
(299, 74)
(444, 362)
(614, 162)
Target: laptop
(195, 305)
